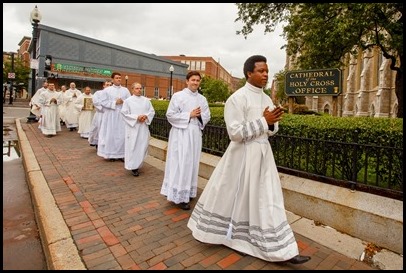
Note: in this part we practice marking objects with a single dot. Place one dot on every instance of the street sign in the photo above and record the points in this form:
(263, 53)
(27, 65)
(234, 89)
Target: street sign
(313, 82)
(11, 75)
(34, 64)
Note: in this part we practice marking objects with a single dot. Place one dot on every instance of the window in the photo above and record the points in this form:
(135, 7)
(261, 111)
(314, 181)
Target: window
(156, 92)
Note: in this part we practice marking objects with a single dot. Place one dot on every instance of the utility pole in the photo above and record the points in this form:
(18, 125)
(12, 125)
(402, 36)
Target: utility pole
(11, 91)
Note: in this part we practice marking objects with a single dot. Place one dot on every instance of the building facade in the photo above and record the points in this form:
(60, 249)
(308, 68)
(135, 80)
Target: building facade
(89, 62)
(207, 66)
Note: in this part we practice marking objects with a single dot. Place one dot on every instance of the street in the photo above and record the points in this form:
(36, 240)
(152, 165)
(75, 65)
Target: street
(22, 248)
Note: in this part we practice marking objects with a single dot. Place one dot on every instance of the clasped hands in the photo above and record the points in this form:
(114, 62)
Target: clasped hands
(273, 116)
(195, 112)
(119, 101)
(142, 118)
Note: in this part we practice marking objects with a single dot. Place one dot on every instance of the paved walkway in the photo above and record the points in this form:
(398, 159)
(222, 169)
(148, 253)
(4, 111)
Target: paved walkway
(118, 221)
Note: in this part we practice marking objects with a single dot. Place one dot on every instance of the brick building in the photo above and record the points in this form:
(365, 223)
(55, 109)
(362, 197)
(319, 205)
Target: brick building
(87, 61)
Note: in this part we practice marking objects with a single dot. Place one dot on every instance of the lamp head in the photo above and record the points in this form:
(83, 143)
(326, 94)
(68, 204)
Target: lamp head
(126, 77)
(171, 68)
(35, 16)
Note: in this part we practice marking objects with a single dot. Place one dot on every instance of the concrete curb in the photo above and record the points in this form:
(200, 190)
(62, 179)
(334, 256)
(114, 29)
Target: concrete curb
(60, 251)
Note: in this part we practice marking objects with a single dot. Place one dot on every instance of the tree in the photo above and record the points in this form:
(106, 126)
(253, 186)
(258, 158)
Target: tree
(322, 34)
(22, 72)
(214, 90)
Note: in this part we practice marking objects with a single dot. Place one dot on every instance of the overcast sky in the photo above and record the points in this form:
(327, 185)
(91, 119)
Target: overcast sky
(193, 29)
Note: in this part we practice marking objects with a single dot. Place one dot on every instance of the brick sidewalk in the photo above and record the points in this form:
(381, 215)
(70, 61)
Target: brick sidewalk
(119, 221)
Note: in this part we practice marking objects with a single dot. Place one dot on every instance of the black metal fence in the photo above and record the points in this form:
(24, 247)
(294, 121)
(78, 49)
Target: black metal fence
(369, 168)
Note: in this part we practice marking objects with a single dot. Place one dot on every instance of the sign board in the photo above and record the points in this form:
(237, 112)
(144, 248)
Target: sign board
(82, 69)
(323, 82)
(11, 75)
(34, 64)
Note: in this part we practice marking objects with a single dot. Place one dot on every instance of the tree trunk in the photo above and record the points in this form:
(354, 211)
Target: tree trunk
(399, 89)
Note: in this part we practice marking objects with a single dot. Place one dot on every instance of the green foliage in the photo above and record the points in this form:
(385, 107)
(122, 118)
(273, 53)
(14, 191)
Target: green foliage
(320, 35)
(214, 90)
(21, 71)
(280, 87)
(241, 83)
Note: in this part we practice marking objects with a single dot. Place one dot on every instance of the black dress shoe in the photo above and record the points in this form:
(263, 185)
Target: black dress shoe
(135, 172)
(184, 206)
(299, 259)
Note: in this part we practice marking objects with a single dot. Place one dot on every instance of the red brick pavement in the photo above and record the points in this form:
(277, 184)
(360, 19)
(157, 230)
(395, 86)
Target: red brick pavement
(119, 221)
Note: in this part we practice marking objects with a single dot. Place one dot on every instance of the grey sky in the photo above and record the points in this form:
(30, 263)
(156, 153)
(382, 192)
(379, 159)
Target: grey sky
(192, 29)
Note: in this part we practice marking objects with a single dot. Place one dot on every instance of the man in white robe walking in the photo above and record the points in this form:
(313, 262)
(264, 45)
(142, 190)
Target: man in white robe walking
(49, 101)
(112, 127)
(138, 113)
(188, 113)
(98, 115)
(71, 113)
(84, 104)
(34, 102)
(242, 205)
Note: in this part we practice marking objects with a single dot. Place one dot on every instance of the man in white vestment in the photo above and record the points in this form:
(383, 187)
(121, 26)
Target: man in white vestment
(112, 128)
(84, 104)
(62, 106)
(71, 113)
(34, 102)
(49, 101)
(242, 205)
(97, 118)
(188, 113)
(138, 113)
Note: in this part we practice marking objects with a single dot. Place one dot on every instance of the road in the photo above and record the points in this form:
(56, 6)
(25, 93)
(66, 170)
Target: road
(22, 248)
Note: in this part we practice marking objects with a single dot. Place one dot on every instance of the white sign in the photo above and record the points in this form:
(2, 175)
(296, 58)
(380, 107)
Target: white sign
(11, 75)
(34, 64)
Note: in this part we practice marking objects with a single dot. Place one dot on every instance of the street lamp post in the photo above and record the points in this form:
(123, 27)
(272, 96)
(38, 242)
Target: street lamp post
(171, 69)
(35, 18)
(11, 92)
(126, 80)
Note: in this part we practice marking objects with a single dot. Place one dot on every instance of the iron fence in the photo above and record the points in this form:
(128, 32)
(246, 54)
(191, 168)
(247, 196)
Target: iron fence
(369, 168)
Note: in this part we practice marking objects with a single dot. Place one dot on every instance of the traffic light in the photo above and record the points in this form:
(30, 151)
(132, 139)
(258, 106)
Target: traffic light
(48, 62)
(47, 74)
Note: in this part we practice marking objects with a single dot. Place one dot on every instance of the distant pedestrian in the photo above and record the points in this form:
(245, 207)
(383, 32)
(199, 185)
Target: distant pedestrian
(138, 113)
(188, 113)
